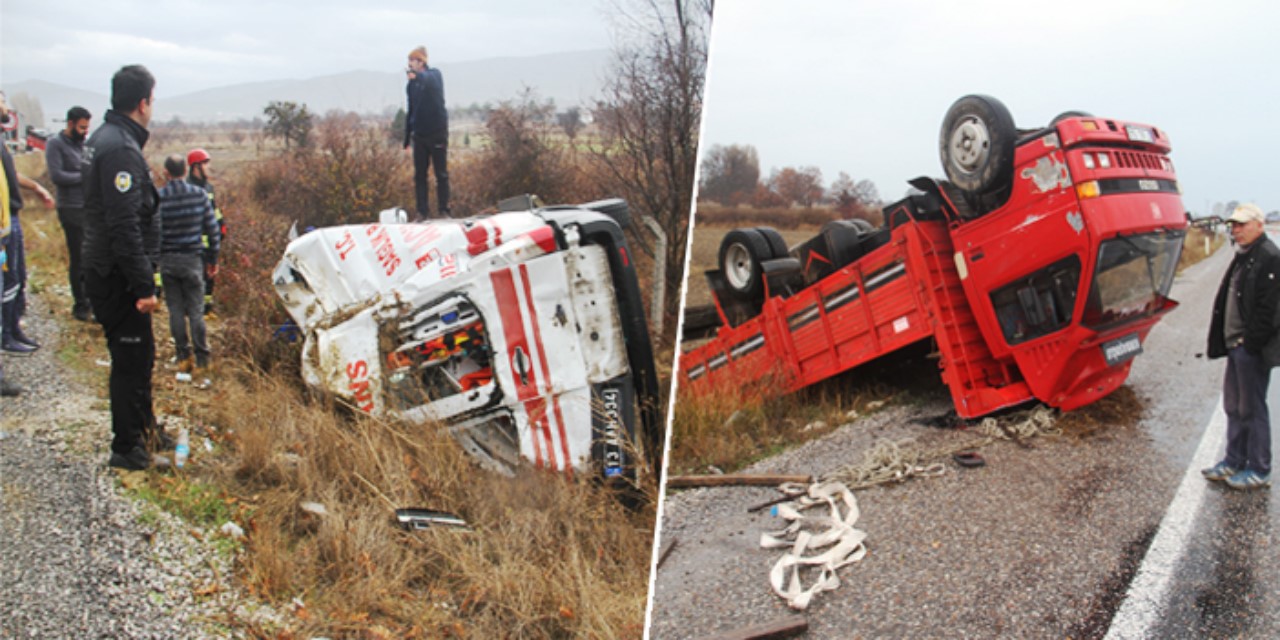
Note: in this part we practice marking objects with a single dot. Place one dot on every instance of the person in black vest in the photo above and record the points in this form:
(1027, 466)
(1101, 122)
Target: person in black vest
(63, 157)
(1243, 329)
(427, 128)
(121, 247)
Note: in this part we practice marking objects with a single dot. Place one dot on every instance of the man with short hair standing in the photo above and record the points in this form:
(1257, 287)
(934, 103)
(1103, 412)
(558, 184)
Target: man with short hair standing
(63, 156)
(426, 127)
(1243, 329)
(186, 218)
(121, 237)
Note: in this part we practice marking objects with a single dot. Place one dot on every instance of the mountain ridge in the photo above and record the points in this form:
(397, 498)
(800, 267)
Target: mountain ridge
(569, 78)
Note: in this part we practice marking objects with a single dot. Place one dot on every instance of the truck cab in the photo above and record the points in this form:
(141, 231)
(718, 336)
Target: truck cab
(521, 333)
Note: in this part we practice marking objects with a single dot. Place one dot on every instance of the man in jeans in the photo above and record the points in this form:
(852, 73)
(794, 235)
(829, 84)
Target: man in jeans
(186, 218)
(63, 158)
(1243, 329)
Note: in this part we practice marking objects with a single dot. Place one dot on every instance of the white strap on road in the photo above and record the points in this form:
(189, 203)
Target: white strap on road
(843, 543)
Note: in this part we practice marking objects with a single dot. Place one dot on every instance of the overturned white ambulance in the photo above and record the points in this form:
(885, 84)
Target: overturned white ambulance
(523, 332)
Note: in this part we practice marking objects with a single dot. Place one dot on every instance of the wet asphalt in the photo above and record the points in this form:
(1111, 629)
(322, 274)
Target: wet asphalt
(1043, 542)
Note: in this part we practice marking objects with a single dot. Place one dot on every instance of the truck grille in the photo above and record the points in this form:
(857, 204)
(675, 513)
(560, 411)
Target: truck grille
(1138, 160)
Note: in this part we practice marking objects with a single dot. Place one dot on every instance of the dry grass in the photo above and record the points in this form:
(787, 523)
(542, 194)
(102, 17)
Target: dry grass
(546, 556)
(731, 426)
(1194, 245)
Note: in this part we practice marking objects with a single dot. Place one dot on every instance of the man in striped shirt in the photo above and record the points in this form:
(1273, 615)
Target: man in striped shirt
(186, 216)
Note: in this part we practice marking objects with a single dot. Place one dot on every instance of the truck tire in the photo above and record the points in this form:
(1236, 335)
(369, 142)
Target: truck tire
(844, 240)
(777, 245)
(861, 225)
(977, 144)
(742, 252)
(1069, 114)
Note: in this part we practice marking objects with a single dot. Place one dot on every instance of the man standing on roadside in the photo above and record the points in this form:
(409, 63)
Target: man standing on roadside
(198, 161)
(426, 127)
(186, 220)
(1243, 329)
(63, 156)
(121, 237)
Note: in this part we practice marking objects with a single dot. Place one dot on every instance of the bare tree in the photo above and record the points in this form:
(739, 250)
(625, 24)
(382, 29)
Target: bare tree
(571, 121)
(289, 121)
(729, 174)
(801, 186)
(649, 118)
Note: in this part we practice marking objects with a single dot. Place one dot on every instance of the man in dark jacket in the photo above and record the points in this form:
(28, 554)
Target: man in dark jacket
(1243, 329)
(186, 223)
(427, 128)
(121, 243)
(63, 157)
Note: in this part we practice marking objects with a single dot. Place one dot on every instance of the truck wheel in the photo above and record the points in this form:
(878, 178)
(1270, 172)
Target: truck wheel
(741, 253)
(861, 225)
(1069, 114)
(977, 144)
(777, 245)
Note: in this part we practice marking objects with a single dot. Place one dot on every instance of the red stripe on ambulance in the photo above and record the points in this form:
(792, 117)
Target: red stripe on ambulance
(520, 360)
(542, 359)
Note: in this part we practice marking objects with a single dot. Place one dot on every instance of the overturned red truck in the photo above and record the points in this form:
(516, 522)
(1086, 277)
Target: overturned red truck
(1037, 267)
(523, 333)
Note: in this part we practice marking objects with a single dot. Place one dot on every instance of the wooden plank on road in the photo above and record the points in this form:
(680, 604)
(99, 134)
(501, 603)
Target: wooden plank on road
(788, 627)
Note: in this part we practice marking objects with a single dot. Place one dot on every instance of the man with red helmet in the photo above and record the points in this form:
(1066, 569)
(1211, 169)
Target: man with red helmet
(198, 167)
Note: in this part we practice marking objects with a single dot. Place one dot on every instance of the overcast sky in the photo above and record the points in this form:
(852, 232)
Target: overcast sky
(862, 86)
(192, 45)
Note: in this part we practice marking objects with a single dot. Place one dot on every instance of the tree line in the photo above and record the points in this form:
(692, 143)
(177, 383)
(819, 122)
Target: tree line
(731, 176)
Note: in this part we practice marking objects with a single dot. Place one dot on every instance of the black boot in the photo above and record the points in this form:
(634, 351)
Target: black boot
(19, 336)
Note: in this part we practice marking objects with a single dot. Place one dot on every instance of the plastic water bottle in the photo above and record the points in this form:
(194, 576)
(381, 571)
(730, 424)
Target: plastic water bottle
(182, 450)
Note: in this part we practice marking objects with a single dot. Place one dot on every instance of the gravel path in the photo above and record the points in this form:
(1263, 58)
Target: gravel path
(78, 558)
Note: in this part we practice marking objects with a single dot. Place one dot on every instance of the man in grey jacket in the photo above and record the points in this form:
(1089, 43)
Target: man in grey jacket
(63, 157)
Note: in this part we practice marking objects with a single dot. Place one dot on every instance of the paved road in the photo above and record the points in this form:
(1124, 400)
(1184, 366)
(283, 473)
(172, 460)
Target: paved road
(1041, 543)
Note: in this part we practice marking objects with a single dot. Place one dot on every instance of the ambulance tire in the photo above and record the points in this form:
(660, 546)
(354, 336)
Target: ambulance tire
(1069, 114)
(777, 245)
(977, 144)
(742, 254)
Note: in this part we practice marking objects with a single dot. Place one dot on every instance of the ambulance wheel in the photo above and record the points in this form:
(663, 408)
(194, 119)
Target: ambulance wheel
(977, 144)
(777, 245)
(1069, 114)
(742, 253)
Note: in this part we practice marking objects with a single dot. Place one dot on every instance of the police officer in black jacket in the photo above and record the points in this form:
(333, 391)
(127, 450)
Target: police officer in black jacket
(121, 243)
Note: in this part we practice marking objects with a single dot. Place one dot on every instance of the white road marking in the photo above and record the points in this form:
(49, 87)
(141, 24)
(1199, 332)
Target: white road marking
(1145, 602)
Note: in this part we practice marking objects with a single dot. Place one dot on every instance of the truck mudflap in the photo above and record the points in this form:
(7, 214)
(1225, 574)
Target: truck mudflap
(517, 333)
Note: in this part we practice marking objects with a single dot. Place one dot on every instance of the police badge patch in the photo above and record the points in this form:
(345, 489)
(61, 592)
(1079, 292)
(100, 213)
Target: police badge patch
(124, 181)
